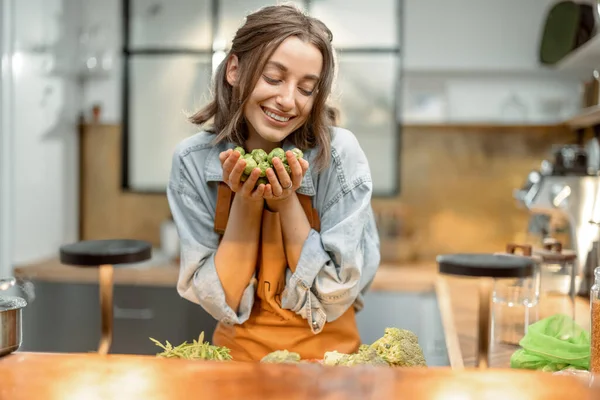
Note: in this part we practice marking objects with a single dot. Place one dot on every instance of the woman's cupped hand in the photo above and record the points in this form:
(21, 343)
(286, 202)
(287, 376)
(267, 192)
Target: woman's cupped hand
(281, 183)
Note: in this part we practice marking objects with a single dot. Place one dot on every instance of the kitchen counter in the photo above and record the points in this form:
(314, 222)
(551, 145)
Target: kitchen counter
(457, 298)
(90, 376)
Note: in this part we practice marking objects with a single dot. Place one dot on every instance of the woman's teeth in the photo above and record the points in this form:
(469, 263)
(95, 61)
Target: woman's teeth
(276, 117)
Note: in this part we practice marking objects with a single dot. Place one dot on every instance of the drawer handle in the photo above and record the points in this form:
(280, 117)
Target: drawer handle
(133, 313)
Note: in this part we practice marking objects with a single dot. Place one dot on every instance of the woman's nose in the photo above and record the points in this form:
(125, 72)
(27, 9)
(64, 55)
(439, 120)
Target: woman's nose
(285, 99)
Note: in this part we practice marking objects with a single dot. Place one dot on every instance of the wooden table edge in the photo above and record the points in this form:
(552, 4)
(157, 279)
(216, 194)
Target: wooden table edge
(447, 316)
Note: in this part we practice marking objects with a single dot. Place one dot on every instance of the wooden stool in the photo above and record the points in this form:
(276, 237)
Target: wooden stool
(485, 266)
(104, 254)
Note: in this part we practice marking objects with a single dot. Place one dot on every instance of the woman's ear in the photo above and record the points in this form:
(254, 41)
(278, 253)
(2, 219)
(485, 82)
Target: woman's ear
(232, 70)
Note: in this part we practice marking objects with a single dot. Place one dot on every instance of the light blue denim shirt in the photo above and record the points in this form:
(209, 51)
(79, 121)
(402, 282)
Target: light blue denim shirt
(336, 265)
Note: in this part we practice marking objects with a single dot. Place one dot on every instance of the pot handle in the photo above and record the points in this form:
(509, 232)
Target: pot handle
(553, 245)
(525, 249)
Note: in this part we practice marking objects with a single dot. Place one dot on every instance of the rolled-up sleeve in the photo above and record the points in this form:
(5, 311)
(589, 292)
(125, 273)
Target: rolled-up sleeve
(337, 264)
(198, 281)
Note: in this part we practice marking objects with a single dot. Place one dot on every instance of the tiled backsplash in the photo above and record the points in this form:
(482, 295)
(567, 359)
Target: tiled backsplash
(457, 187)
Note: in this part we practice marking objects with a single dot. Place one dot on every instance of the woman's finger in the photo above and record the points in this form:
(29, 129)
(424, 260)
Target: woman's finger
(259, 192)
(223, 155)
(296, 169)
(275, 187)
(284, 178)
(248, 186)
(236, 175)
(228, 165)
(304, 164)
(268, 193)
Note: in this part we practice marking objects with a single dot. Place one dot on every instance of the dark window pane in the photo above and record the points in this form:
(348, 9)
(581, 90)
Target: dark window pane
(183, 24)
(162, 91)
(359, 23)
(365, 95)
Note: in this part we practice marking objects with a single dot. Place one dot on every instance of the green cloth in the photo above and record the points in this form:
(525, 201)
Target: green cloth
(553, 344)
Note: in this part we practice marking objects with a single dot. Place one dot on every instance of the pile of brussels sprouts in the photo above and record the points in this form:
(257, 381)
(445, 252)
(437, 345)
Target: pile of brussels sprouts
(259, 158)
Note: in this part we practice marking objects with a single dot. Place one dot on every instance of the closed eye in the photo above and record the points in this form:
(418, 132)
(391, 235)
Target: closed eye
(271, 80)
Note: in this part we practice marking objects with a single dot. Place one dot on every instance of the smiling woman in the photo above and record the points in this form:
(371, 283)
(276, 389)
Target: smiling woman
(172, 51)
(281, 264)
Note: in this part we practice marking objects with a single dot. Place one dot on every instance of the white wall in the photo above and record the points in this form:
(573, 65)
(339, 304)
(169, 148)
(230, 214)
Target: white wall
(45, 137)
(477, 60)
(6, 107)
(464, 60)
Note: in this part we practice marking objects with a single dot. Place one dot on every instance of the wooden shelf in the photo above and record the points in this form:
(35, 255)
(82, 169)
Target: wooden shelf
(589, 116)
(584, 59)
(478, 125)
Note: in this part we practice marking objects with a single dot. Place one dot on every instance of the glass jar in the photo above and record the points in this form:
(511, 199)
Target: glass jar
(514, 301)
(558, 279)
(595, 323)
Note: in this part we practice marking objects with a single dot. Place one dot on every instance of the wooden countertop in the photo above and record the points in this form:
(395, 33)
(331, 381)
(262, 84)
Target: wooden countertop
(457, 298)
(413, 277)
(90, 376)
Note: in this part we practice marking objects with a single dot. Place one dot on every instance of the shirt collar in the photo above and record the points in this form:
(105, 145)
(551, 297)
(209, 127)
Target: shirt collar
(214, 172)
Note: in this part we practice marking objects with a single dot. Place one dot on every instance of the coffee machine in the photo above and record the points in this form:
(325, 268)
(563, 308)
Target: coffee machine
(566, 190)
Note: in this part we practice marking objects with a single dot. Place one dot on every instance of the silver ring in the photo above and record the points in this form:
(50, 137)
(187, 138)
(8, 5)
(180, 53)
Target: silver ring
(287, 187)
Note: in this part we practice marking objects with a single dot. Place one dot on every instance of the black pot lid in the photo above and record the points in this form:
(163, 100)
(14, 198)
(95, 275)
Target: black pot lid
(486, 265)
(8, 303)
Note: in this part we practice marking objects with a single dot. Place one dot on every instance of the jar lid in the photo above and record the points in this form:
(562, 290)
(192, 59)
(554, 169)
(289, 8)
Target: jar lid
(8, 303)
(552, 251)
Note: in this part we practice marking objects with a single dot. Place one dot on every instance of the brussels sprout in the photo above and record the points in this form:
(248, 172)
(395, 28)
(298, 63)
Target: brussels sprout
(250, 165)
(298, 153)
(244, 178)
(263, 165)
(288, 169)
(276, 152)
(259, 155)
(262, 180)
(240, 150)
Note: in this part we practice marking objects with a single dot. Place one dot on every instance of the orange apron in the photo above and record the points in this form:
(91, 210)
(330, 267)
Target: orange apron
(269, 326)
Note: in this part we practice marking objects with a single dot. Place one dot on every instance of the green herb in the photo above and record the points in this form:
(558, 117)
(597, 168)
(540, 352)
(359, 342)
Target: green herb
(198, 350)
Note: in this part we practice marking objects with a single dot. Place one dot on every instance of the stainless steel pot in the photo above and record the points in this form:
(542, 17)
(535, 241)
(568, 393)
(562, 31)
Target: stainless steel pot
(11, 335)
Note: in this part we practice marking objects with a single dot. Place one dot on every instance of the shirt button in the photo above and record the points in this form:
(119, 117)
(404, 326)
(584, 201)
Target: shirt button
(315, 325)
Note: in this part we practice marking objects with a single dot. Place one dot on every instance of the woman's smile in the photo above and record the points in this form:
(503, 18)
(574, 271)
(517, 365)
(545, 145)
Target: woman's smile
(277, 118)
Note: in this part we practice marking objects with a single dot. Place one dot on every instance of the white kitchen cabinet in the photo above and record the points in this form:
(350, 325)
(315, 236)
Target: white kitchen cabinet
(473, 35)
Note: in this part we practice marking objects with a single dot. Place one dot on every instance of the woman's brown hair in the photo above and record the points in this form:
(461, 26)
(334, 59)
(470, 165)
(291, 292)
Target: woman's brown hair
(253, 44)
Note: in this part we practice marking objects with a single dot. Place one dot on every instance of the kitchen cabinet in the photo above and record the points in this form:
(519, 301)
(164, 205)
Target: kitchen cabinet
(65, 317)
(473, 35)
(415, 311)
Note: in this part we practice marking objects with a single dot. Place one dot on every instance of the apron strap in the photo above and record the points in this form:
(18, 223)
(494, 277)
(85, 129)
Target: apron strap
(311, 213)
(225, 198)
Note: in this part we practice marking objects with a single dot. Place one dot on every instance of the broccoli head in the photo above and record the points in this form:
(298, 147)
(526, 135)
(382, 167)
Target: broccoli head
(250, 165)
(298, 153)
(259, 155)
(365, 357)
(400, 348)
(264, 166)
(281, 357)
(240, 150)
(276, 152)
